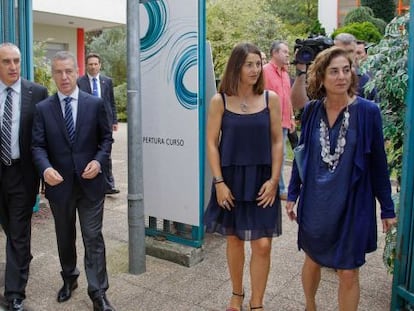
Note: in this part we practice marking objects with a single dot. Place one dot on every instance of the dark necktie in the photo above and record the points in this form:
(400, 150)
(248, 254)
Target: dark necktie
(70, 126)
(6, 129)
(94, 87)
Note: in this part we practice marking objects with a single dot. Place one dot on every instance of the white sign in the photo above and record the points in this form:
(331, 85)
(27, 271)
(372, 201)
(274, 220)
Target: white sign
(169, 67)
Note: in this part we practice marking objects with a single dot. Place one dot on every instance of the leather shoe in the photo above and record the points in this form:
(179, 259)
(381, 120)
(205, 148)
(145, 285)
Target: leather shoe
(101, 303)
(16, 305)
(66, 291)
(112, 191)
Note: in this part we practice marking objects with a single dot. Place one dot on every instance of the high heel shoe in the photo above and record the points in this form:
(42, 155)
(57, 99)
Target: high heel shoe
(241, 304)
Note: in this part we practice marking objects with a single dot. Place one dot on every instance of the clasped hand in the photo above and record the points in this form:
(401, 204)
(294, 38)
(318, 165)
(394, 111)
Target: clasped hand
(53, 178)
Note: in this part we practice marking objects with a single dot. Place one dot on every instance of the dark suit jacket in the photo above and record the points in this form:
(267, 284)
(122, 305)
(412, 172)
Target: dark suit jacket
(107, 94)
(52, 147)
(31, 94)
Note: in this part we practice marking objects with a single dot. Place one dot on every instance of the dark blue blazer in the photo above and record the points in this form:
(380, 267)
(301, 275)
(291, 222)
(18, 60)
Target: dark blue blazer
(31, 94)
(107, 94)
(369, 179)
(51, 146)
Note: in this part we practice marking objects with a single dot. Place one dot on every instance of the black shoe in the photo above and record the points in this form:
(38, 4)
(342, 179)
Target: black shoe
(101, 303)
(112, 191)
(16, 305)
(66, 291)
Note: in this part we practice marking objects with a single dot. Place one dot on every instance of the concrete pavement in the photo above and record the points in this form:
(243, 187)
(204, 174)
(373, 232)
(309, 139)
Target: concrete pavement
(167, 286)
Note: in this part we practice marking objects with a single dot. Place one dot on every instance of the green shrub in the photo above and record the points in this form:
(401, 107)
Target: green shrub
(120, 93)
(390, 248)
(364, 14)
(387, 63)
(384, 9)
(42, 69)
(365, 31)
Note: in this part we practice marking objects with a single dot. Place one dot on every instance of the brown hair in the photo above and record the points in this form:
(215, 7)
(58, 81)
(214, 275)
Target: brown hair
(95, 55)
(317, 71)
(231, 78)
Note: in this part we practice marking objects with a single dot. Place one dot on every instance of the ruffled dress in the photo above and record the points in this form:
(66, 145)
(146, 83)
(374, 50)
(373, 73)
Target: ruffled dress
(245, 157)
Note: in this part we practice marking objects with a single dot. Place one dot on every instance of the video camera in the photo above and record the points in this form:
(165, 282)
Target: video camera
(307, 49)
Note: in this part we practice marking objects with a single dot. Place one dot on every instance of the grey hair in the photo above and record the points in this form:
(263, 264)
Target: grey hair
(11, 45)
(64, 55)
(345, 38)
(276, 46)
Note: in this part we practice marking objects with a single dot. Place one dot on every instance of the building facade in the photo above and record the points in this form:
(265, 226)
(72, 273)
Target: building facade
(62, 25)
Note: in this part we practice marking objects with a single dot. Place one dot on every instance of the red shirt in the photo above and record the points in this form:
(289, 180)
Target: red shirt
(277, 80)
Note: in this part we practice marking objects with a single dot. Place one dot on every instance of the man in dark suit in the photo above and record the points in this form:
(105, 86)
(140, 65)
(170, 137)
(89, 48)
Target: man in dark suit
(71, 141)
(99, 85)
(19, 181)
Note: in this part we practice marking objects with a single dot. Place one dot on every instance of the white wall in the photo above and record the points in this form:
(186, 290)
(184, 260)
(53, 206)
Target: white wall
(56, 34)
(328, 14)
(106, 10)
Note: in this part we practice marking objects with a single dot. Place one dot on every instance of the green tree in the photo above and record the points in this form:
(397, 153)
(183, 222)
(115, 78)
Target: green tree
(317, 29)
(298, 15)
(384, 9)
(387, 63)
(260, 22)
(230, 22)
(365, 31)
(364, 14)
(111, 46)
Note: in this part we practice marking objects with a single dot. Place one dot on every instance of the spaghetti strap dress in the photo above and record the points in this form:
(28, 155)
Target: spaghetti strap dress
(245, 157)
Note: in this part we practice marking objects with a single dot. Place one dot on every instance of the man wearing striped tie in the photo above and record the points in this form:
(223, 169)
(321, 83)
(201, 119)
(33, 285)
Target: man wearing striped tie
(72, 140)
(19, 181)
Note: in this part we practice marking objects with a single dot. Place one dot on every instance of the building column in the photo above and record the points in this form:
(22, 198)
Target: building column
(80, 53)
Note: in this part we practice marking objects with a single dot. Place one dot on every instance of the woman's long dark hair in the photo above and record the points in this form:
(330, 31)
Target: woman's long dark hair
(231, 77)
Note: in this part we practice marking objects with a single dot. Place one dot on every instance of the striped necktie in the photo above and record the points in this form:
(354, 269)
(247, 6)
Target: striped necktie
(94, 87)
(70, 126)
(6, 129)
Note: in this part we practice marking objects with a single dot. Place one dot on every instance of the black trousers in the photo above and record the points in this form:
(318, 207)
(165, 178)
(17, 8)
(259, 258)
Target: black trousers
(109, 177)
(16, 208)
(90, 219)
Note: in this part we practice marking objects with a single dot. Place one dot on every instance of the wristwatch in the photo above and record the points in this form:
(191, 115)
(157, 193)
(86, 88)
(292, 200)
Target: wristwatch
(300, 72)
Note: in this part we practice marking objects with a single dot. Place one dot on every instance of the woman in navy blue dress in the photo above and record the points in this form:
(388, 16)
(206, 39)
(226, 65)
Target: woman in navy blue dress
(244, 149)
(343, 171)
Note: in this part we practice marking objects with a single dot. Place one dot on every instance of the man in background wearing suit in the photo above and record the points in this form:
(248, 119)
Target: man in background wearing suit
(19, 181)
(72, 140)
(99, 85)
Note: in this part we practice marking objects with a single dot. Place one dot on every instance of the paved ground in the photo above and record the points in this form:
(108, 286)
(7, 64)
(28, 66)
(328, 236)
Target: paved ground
(167, 286)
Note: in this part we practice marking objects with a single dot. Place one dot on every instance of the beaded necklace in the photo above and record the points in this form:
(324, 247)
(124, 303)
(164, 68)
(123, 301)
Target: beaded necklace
(333, 159)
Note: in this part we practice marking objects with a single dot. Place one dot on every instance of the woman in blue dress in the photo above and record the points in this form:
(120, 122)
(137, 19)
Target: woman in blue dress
(244, 149)
(343, 170)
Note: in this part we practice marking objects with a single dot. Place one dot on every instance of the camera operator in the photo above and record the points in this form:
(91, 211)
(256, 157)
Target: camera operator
(298, 95)
(346, 41)
(305, 52)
